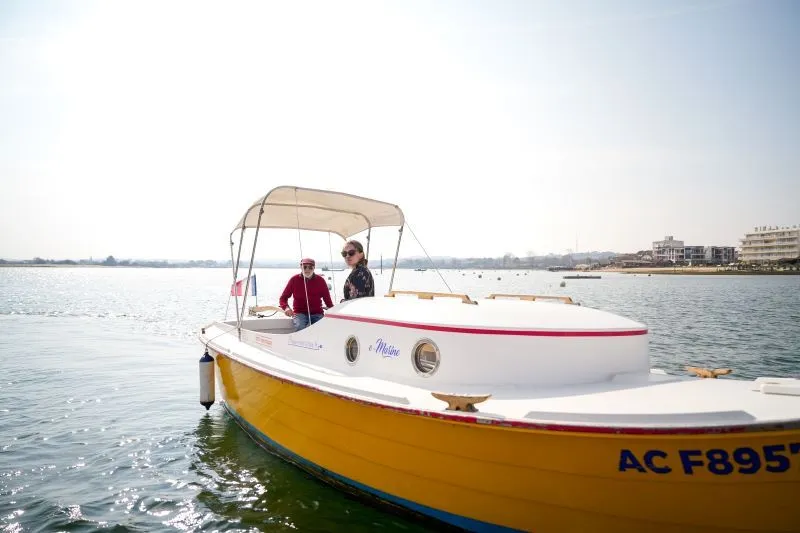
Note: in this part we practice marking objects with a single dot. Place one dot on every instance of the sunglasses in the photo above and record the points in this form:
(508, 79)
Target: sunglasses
(308, 266)
(350, 253)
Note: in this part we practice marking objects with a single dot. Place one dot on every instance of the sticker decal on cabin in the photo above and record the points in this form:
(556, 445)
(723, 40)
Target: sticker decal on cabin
(775, 458)
(264, 340)
(381, 347)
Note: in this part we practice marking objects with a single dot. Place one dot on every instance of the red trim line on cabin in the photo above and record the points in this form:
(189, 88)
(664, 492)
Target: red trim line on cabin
(522, 424)
(486, 331)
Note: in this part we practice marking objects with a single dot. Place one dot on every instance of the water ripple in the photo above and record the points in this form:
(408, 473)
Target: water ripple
(100, 427)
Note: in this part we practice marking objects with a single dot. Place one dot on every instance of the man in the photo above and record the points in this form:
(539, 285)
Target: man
(307, 291)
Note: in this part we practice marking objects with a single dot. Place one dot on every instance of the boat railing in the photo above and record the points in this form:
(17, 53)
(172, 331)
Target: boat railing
(425, 295)
(532, 297)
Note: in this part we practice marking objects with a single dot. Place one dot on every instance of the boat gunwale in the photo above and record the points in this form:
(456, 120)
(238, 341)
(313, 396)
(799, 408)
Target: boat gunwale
(516, 423)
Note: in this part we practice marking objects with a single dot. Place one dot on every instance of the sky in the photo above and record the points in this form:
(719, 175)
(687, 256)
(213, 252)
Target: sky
(145, 129)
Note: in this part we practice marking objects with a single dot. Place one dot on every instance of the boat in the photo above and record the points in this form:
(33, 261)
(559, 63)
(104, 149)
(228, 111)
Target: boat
(329, 269)
(582, 276)
(512, 412)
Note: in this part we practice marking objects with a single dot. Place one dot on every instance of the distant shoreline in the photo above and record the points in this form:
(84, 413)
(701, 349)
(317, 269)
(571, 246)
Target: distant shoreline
(48, 265)
(671, 271)
(23, 265)
(697, 271)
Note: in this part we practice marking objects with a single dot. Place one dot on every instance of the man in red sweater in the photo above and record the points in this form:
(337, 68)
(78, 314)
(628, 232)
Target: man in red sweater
(307, 291)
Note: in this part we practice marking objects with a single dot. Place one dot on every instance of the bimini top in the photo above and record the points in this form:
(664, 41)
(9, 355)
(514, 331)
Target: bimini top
(318, 210)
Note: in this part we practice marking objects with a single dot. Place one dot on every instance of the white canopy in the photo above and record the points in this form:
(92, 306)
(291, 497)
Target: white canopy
(318, 210)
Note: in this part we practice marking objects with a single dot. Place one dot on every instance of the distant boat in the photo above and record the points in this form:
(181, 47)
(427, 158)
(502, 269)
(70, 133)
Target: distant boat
(326, 269)
(420, 269)
(579, 276)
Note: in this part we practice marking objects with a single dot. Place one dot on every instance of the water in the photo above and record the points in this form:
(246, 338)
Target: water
(100, 426)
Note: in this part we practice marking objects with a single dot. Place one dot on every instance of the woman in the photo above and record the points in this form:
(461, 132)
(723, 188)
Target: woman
(359, 283)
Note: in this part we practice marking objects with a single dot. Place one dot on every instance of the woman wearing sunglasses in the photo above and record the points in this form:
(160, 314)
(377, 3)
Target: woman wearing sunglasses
(359, 283)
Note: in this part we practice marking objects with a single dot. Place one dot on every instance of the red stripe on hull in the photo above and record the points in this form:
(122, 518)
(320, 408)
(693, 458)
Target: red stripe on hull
(484, 331)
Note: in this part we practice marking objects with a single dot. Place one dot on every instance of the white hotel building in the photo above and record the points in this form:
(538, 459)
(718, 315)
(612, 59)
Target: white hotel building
(668, 251)
(771, 243)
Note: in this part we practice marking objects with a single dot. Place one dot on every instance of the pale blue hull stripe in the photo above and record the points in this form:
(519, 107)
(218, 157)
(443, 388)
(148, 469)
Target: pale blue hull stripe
(459, 521)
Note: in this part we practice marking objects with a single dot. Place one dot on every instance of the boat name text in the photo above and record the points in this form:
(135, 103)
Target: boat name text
(385, 349)
(774, 458)
(308, 345)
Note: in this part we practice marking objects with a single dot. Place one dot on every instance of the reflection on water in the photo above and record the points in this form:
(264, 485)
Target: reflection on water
(243, 483)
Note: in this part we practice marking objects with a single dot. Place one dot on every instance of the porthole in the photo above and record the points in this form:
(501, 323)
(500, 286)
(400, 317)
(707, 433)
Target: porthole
(425, 357)
(351, 350)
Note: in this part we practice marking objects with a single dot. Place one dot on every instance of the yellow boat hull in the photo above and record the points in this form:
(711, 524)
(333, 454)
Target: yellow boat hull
(520, 477)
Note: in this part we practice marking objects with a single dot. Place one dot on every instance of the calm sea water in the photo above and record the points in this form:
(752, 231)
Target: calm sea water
(100, 426)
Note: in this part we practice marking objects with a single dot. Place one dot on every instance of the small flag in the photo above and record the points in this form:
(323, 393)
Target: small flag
(237, 289)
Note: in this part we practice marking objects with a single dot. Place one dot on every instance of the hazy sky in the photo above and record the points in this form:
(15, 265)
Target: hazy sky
(144, 129)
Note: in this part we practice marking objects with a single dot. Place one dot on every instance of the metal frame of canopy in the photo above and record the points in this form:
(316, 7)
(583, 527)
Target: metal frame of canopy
(290, 207)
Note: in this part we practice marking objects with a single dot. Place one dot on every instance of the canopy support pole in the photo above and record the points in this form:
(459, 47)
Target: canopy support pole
(249, 271)
(396, 253)
(235, 263)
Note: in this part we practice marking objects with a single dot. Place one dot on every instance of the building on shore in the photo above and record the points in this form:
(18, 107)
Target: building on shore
(771, 243)
(674, 251)
(668, 251)
(694, 254)
(721, 255)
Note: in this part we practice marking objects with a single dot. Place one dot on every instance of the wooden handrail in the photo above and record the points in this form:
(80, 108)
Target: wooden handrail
(531, 297)
(261, 308)
(425, 295)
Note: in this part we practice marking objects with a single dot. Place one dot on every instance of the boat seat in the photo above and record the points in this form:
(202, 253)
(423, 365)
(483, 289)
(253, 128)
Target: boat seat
(276, 325)
(276, 331)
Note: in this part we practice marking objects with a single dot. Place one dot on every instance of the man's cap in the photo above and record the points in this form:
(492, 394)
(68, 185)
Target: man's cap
(307, 261)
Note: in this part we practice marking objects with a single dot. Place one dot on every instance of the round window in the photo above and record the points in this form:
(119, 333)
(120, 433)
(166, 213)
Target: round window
(425, 357)
(351, 350)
